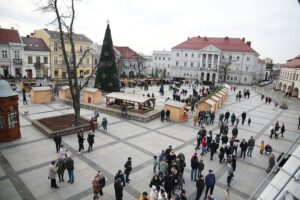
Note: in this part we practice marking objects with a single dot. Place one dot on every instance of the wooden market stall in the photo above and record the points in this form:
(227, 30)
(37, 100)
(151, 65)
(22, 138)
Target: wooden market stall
(177, 111)
(217, 100)
(222, 97)
(27, 84)
(64, 93)
(223, 93)
(207, 105)
(132, 102)
(41, 94)
(225, 90)
(92, 95)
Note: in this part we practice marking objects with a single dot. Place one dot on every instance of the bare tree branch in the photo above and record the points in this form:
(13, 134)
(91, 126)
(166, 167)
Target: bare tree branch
(88, 79)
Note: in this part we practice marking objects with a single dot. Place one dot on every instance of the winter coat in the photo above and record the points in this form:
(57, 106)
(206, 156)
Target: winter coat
(243, 146)
(200, 184)
(163, 167)
(210, 180)
(52, 172)
(169, 182)
(194, 163)
(128, 167)
(95, 183)
(156, 183)
(118, 190)
(60, 166)
(69, 163)
(90, 138)
(251, 142)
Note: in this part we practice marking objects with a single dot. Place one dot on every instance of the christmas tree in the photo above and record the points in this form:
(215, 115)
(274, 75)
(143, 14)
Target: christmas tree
(107, 76)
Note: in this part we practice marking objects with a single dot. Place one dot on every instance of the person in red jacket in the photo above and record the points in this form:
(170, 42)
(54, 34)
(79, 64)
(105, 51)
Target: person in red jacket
(204, 145)
(92, 124)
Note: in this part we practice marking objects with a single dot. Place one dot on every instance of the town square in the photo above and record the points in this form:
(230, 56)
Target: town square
(212, 117)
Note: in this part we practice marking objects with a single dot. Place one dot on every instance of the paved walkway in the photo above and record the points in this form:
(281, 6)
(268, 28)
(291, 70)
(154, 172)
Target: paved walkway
(24, 163)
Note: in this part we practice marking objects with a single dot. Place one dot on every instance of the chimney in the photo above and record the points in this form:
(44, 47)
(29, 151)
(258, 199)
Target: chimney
(27, 36)
(249, 43)
(12, 28)
(243, 39)
(226, 38)
(188, 38)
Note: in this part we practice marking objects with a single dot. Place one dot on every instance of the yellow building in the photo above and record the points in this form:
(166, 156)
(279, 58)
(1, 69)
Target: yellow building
(57, 62)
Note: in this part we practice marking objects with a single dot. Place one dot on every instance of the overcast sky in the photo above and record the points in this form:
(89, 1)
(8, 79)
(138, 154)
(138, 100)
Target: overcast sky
(273, 26)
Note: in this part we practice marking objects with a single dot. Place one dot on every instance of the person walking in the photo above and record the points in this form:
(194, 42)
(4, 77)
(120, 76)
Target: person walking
(128, 168)
(213, 149)
(227, 114)
(69, 163)
(57, 139)
(237, 121)
(104, 123)
(271, 162)
(212, 118)
(80, 137)
(233, 118)
(194, 167)
(230, 174)
(243, 147)
(210, 181)
(200, 167)
(200, 185)
(249, 121)
(24, 97)
(244, 115)
(52, 175)
(118, 189)
(60, 169)
(91, 140)
(221, 117)
(282, 129)
(162, 115)
(168, 115)
(251, 144)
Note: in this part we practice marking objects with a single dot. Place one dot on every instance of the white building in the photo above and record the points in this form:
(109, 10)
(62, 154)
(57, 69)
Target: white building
(161, 62)
(12, 52)
(203, 57)
(289, 78)
(36, 58)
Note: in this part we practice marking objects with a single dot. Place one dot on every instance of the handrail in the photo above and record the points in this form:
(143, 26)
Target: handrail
(274, 168)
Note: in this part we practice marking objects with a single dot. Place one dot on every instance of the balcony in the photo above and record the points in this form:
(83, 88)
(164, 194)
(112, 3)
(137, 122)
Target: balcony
(17, 61)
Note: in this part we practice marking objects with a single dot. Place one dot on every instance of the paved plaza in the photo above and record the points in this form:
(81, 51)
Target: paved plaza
(24, 163)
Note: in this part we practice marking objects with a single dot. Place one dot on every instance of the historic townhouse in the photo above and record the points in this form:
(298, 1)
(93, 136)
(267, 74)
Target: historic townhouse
(36, 58)
(57, 62)
(289, 78)
(11, 53)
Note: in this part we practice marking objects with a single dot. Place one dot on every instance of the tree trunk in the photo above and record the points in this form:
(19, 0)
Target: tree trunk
(76, 106)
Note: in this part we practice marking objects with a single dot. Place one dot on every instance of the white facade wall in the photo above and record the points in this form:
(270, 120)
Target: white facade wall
(37, 73)
(161, 60)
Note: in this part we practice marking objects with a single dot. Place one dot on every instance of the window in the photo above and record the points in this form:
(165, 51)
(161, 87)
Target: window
(192, 64)
(235, 78)
(176, 63)
(297, 77)
(87, 61)
(1, 119)
(169, 58)
(293, 76)
(38, 59)
(245, 80)
(223, 56)
(55, 60)
(12, 117)
(185, 63)
(185, 54)
(231, 78)
(199, 55)
(45, 59)
(192, 55)
(155, 58)
(159, 58)
(230, 57)
(55, 48)
(248, 58)
(17, 55)
(177, 54)
(56, 72)
(237, 57)
(228, 77)
(164, 58)
(81, 49)
(29, 59)
(247, 68)
(96, 61)
(4, 54)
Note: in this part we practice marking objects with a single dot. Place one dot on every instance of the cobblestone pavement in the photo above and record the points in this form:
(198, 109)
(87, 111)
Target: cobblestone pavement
(24, 163)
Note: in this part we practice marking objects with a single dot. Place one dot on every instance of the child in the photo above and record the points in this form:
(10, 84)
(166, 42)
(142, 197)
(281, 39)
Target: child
(155, 163)
(104, 123)
(249, 121)
(180, 181)
(262, 147)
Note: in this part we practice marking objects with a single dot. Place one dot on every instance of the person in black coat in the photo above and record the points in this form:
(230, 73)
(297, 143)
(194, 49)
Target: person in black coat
(244, 146)
(227, 114)
(156, 182)
(81, 139)
(128, 168)
(162, 115)
(244, 115)
(57, 139)
(200, 185)
(213, 149)
(169, 184)
(235, 132)
(224, 139)
(168, 115)
(118, 189)
(90, 140)
(120, 175)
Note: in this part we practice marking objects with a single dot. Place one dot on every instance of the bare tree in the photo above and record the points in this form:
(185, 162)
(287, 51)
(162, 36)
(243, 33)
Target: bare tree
(65, 21)
(225, 66)
(139, 66)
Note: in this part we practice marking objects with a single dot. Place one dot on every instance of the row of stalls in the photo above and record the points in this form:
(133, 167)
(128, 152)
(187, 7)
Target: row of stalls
(179, 110)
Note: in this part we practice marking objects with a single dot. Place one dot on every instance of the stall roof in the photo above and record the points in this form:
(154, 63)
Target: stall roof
(221, 92)
(176, 104)
(215, 98)
(219, 95)
(128, 97)
(45, 88)
(90, 90)
(224, 90)
(210, 102)
(65, 87)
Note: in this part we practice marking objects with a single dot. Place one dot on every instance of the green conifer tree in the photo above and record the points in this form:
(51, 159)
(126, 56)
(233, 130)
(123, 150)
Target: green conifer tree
(107, 75)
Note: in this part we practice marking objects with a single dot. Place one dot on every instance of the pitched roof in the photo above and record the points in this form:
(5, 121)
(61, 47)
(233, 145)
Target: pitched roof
(293, 63)
(9, 35)
(127, 53)
(261, 61)
(224, 44)
(34, 44)
(76, 37)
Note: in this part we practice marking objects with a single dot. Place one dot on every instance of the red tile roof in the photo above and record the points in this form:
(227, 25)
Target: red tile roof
(127, 53)
(293, 63)
(34, 44)
(224, 44)
(9, 35)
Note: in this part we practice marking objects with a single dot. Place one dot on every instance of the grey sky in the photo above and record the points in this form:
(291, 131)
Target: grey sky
(273, 26)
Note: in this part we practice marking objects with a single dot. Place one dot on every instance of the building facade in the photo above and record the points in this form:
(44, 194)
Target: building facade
(36, 58)
(161, 63)
(12, 52)
(289, 77)
(204, 58)
(57, 61)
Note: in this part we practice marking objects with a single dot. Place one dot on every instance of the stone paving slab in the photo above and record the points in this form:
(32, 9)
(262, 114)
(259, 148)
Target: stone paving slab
(179, 131)
(44, 115)
(36, 108)
(24, 121)
(8, 191)
(278, 145)
(125, 129)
